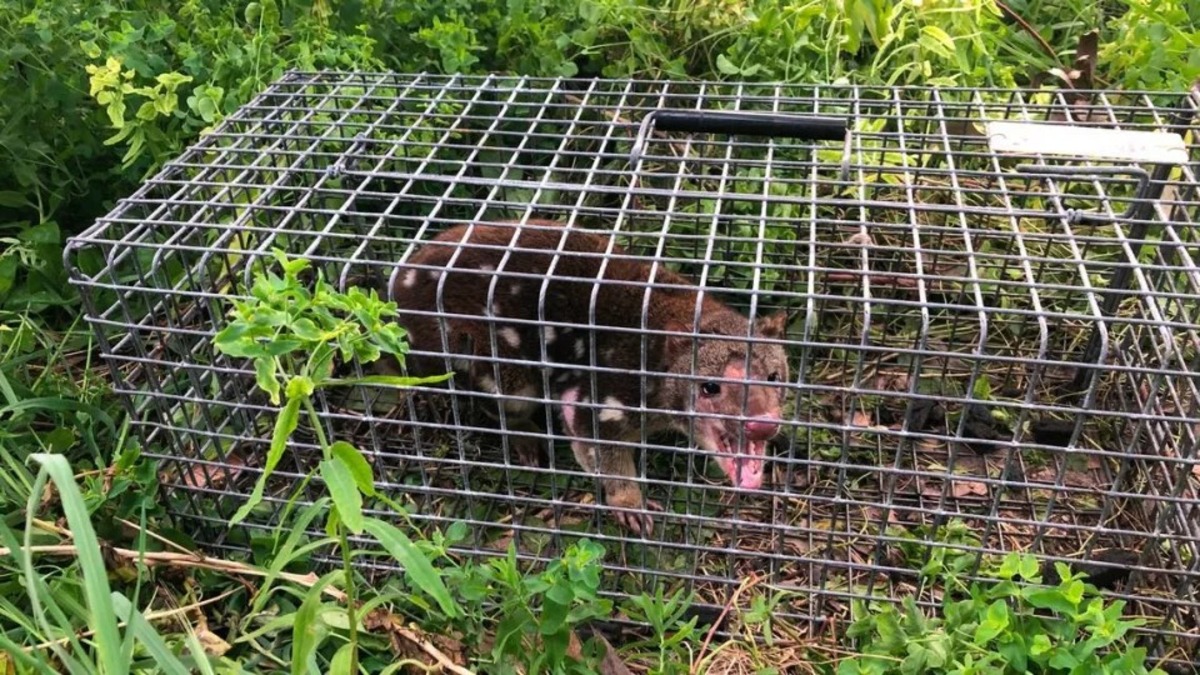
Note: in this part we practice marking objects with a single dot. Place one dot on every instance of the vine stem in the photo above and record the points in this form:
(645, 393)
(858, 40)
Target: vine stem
(343, 542)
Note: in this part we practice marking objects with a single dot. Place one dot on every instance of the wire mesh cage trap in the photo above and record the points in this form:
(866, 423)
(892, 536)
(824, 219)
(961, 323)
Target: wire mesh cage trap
(826, 331)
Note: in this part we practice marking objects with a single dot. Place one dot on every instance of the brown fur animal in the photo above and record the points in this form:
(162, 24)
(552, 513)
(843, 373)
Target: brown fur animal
(507, 270)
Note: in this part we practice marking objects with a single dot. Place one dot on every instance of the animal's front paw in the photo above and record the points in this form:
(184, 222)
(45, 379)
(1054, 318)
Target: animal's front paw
(640, 523)
(529, 452)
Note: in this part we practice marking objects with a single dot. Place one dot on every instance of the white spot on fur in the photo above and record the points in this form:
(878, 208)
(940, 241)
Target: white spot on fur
(486, 384)
(410, 279)
(518, 405)
(607, 355)
(510, 336)
(550, 334)
(496, 311)
(579, 349)
(434, 275)
(568, 398)
(461, 364)
(488, 268)
(612, 410)
(515, 289)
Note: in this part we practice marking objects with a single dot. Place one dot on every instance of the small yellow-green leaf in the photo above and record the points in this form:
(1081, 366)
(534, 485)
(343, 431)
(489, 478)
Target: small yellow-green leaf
(173, 80)
(264, 375)
(305, 329)
(90, 49)
(116, 113)
(147, 111)
(941, 37)
(358, 465)
(299, 387)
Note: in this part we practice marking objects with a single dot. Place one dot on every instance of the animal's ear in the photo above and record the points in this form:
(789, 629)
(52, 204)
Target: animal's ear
(678, 340)
(774, 325)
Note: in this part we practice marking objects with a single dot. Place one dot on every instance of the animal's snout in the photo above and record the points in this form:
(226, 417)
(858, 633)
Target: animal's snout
(761, 428)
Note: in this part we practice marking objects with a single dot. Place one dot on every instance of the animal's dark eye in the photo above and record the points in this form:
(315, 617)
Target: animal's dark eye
(710, 389)
(773, 377)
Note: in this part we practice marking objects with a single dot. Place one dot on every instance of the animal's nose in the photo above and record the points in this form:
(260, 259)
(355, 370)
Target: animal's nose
(762, 428)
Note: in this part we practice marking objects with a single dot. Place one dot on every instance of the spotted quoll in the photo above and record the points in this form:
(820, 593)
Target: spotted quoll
(506, 270)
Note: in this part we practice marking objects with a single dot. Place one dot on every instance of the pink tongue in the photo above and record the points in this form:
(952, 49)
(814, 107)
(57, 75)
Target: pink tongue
(749, 470)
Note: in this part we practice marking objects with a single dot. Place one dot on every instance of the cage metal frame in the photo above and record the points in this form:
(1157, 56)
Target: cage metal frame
(316, 152)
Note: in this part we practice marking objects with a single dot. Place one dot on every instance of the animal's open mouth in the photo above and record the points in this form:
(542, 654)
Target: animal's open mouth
(744, 464)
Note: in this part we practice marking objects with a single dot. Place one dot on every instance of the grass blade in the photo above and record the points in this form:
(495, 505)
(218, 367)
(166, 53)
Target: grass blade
(41, 600)
(18, 657)
(103, 620)
(308, 630)
(149, 637)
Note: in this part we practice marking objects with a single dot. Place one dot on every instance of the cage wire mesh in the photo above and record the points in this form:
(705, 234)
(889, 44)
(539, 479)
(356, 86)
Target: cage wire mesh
(991, 346)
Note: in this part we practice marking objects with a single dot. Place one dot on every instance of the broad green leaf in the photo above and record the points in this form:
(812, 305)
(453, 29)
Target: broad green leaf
(553, 617)
(60, 440)
(282, 346)
(1015, 651)
(916, 661)
(346, 497)
(420, 570)
(340, 663)
(285, 424)
(42, 233)
(994, 622)
(1009, 566)
(726, 66)
(305, 329)
(8, 272)
(1063, 659)
(457, 532)
(358, 465)
(1048, 598)
(1029, 566)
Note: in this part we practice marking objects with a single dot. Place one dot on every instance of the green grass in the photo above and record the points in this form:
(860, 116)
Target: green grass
(83, 517)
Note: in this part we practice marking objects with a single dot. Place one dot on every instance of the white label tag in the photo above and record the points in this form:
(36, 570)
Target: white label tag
(1033, 138)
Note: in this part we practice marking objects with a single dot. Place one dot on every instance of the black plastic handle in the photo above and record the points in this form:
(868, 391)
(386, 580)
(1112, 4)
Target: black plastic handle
(751, 123)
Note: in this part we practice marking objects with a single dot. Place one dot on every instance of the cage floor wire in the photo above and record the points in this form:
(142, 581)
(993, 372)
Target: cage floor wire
(991, 302)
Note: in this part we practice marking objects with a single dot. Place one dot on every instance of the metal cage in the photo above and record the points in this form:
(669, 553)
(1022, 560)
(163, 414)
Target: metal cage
(992, 347)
